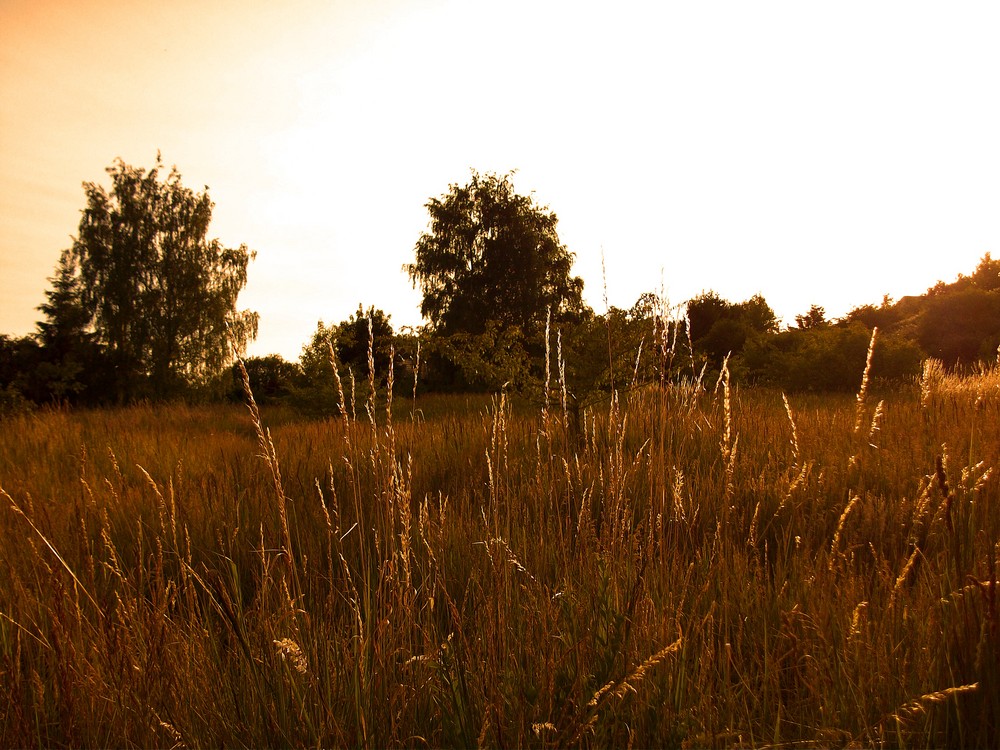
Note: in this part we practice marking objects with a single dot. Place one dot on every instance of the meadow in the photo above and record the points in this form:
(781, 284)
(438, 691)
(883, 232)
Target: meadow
(679, 566)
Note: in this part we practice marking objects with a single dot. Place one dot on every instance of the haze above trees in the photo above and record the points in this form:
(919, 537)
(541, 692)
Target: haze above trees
(144, 306)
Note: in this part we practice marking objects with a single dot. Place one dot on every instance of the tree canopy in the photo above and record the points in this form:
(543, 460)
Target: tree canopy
(350, 338)
(492, 255)
(719, 328)
(159, 296)
(814, 318)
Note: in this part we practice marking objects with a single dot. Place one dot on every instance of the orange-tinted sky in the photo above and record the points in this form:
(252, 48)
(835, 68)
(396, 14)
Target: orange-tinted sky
(815, 153)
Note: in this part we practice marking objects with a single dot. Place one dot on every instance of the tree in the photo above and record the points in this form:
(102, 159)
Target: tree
(705, 311)
(720, 328)
(815, 318)
(961, 326)
(271, 379)
(758, 315)
(884, 317)
(987, 274)
(69, 360)
(318, 392)
(352, 337)
(491, 255)
(160, 296)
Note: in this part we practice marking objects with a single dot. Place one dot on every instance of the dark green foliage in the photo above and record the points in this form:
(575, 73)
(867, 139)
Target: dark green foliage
(71, 365)
(815, 318)
(985, 277)
(703, 312)
(882, 317)
(272, 379)
(494, 360)
(589, 361)
(316, 391)
(492, 271)
(720, 328)
(160, 297)
(961, 326)
(19, 358)
(352, 337)
(491, 255)
(622, 348)
(826, 358)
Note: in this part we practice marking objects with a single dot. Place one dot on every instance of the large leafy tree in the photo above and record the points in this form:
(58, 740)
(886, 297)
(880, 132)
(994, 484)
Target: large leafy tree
(492, 256)
(160, 296)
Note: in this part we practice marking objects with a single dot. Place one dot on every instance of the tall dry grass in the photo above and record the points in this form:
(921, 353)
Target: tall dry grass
(677, 567)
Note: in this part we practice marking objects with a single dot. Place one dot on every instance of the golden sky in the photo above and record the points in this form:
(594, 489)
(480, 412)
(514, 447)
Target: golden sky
(822, 153)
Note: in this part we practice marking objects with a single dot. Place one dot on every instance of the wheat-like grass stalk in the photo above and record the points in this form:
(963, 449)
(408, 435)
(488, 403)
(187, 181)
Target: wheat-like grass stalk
(354, 395)
(932, 378)
(618, 688)
(921, 704)
(863, 390)
(876, 421)
(904, 575)
(341, 403)
(835, 544)
(857, 618)
(562, 378)
(370, 404)
(390, 382)
(729, 442)
(752, 533)
(291, 652)
(416, 376)
(548, 369)
(795, 431)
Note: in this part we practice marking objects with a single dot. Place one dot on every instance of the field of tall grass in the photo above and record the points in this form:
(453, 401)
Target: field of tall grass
(678, 566)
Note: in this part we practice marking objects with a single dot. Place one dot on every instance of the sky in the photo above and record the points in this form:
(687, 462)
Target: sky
(815, 153)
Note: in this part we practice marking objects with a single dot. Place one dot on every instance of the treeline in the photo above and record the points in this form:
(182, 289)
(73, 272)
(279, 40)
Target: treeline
(956, 323)
(143, 306)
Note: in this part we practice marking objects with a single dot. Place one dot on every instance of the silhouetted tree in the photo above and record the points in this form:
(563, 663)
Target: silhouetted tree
(815, 318)
(882, 317)
(160, 296)
(70, 364)
(352, 337)
(719, 328)
(961, 325)
(318, 392)
(491, 255)
(705, 311)
(272, 378)
(987, 274)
